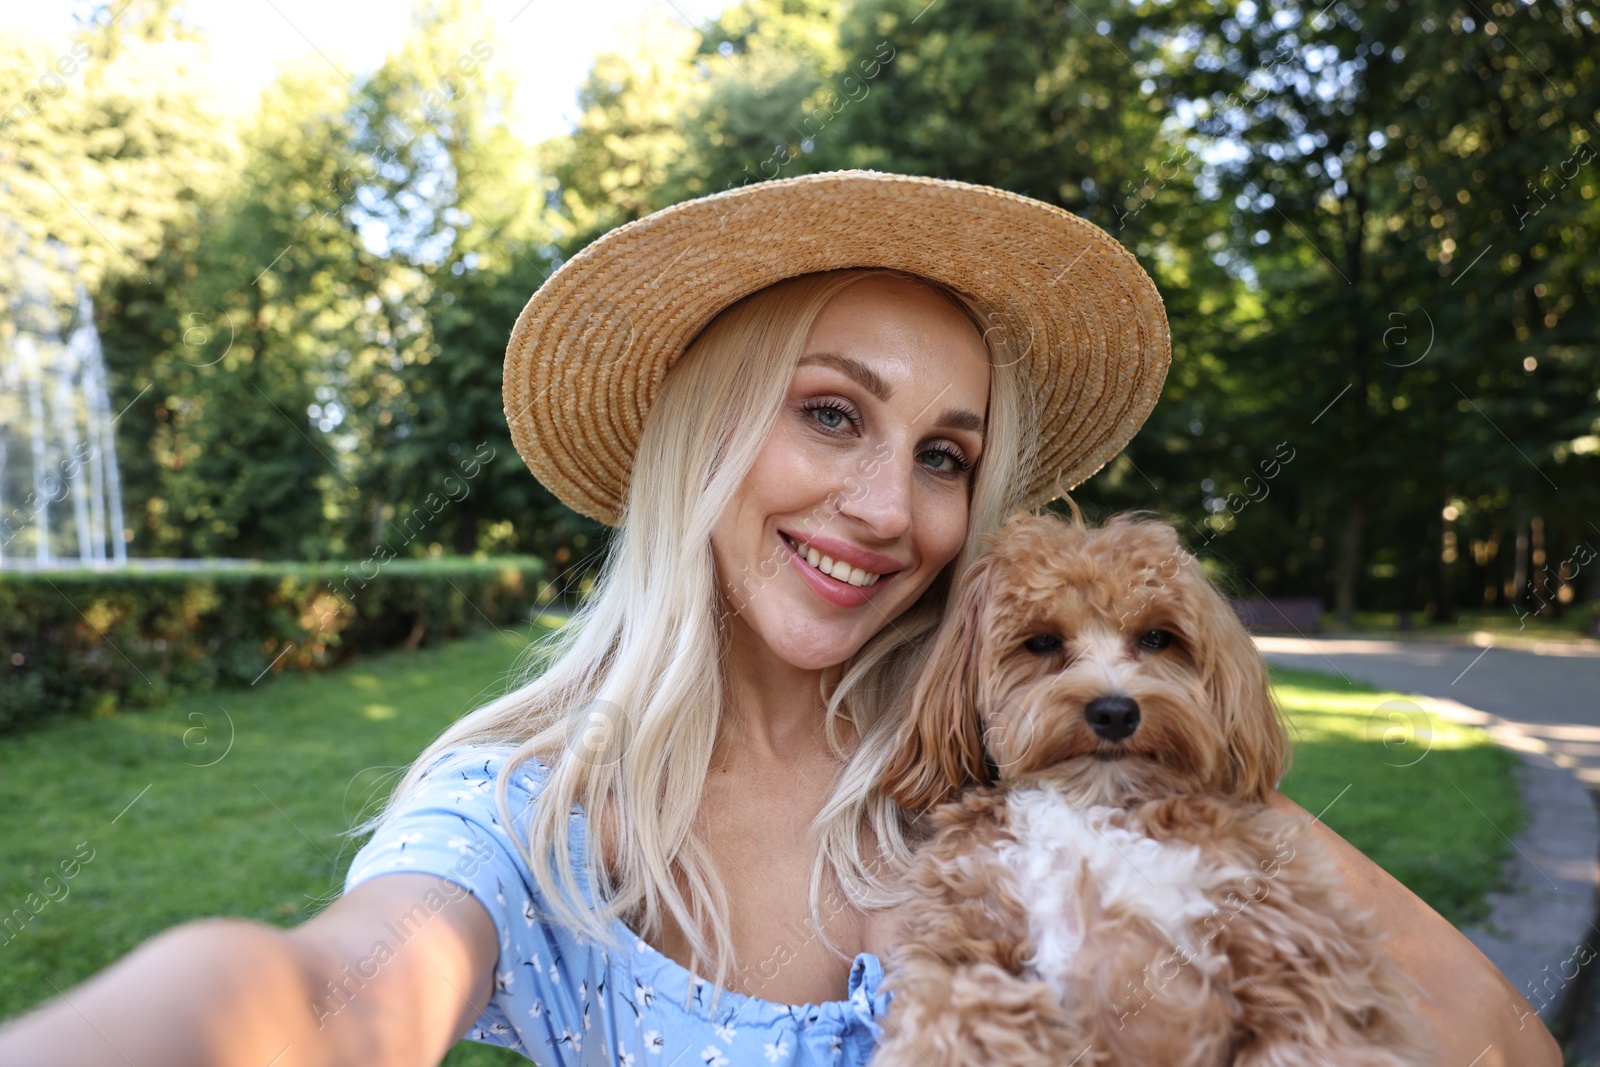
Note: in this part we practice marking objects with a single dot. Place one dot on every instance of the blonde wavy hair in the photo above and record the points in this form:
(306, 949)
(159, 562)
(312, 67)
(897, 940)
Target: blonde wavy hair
(626, 714)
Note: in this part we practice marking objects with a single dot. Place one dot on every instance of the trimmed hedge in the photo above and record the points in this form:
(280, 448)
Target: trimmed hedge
(83, 642)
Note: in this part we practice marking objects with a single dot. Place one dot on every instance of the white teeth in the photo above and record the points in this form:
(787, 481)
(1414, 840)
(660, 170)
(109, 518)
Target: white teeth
(839, 571)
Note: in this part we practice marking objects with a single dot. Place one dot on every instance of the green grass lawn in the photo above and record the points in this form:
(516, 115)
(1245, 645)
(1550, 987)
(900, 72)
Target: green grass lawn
(257, 832)
(1432, 802)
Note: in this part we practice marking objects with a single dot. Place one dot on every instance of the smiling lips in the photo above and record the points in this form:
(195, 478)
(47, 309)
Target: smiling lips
(842, 583)
(836, 569)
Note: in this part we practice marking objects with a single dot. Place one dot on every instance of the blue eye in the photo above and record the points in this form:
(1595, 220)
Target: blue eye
(819, 408)
(961, 463)
(834, 406)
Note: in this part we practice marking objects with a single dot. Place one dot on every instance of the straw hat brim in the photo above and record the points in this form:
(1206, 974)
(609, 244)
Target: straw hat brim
(589, 350)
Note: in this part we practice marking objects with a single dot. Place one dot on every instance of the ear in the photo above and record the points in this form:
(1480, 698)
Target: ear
(1257, 745)
(939, 748)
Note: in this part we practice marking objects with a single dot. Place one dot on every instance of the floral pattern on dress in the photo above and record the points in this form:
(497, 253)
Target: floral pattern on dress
(562, 999)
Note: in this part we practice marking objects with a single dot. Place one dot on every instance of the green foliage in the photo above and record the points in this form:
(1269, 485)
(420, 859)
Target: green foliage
(1374, 228)
(306, 342)
(274, 310)
(1376, 154)
(79, 642)
(630, 134)
(457, 205)
(106, 146)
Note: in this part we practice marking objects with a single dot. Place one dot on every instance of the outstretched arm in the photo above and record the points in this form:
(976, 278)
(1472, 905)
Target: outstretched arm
(1477, 1016)
(231, 991)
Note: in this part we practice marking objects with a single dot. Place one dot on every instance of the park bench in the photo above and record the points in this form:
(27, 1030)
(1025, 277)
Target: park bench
(1297, 614)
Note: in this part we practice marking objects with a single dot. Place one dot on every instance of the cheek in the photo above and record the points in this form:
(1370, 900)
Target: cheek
(943, 529)
(1019, 723)
(784, 480)
(792, 469)
(776, 472)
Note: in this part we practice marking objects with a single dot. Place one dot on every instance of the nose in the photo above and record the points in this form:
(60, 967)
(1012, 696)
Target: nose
(1114, 717)
(879, 495)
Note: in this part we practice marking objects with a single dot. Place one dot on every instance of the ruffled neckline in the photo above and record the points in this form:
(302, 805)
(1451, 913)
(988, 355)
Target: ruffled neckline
(864, 1002)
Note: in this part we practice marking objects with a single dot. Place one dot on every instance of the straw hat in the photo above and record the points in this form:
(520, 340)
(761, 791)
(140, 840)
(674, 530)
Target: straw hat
(590, 348)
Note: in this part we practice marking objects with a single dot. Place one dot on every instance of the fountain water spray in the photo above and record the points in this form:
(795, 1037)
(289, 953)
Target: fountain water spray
(60, 490)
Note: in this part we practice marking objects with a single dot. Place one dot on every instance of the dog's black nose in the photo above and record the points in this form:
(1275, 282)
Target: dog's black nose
(1114, 717)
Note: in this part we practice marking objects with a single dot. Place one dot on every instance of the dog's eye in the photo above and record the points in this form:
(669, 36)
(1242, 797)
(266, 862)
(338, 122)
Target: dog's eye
(1155, 639)
(1043, 644)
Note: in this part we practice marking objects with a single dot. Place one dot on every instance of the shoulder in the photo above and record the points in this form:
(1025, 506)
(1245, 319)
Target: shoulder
(449, 822)
(465, 780)
(473, 769)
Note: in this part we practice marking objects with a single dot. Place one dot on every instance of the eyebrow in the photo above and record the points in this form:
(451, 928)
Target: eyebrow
(952, 418)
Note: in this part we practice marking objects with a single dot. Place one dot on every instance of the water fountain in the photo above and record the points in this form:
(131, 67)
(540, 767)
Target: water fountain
(60, 491)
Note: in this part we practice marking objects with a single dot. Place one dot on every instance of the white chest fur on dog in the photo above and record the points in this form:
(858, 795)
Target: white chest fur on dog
(1060, 847)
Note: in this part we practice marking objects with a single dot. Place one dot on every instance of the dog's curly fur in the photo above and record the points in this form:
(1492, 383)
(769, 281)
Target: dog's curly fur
(1133, 900)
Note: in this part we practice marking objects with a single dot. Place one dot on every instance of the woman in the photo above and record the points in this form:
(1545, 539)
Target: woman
(724, 713)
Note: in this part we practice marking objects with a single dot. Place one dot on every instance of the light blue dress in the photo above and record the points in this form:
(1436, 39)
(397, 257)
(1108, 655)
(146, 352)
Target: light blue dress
(562, 999)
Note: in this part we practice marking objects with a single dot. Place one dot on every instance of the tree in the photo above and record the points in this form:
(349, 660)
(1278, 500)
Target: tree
(462, 221)
(244, 424)
(1366, 148)
(108, 155)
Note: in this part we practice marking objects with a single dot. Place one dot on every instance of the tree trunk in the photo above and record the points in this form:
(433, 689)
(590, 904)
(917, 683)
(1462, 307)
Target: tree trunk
(376, 537)
(1445, 604)
(1541, 584)
(1518, 589)
(1349, 564)
(1593, 597)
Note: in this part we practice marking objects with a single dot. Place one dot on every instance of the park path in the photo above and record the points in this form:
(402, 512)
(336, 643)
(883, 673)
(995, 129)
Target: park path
(1543, 700)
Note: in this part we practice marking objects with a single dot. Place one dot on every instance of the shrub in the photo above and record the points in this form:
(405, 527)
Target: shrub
(77, 642)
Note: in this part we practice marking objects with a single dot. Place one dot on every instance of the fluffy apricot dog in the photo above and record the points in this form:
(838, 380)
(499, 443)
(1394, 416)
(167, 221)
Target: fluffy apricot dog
(1104, 883)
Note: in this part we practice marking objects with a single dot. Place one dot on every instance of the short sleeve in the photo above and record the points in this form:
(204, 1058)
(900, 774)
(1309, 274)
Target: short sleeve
(450, 826)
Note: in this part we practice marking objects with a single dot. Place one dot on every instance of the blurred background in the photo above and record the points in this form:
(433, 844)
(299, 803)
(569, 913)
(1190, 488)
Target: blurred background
(281, 246)
(259, 262)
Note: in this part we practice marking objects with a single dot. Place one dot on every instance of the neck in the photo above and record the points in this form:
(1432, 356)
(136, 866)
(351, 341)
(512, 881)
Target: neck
(773, 710)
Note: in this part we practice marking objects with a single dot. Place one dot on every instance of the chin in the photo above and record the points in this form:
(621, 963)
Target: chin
(1091, 743)
(802, 640)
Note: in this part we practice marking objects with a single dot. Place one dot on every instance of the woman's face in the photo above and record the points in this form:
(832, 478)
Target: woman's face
(869, 465)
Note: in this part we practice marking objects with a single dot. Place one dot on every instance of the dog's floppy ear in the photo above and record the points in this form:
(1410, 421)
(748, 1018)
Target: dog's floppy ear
(1257, 745)
(939, 748)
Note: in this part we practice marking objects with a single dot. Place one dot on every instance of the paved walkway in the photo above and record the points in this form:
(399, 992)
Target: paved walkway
(1543, 700)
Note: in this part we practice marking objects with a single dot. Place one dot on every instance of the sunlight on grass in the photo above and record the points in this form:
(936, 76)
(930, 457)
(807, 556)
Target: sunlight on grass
(1390, 719)
(1431, 801)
